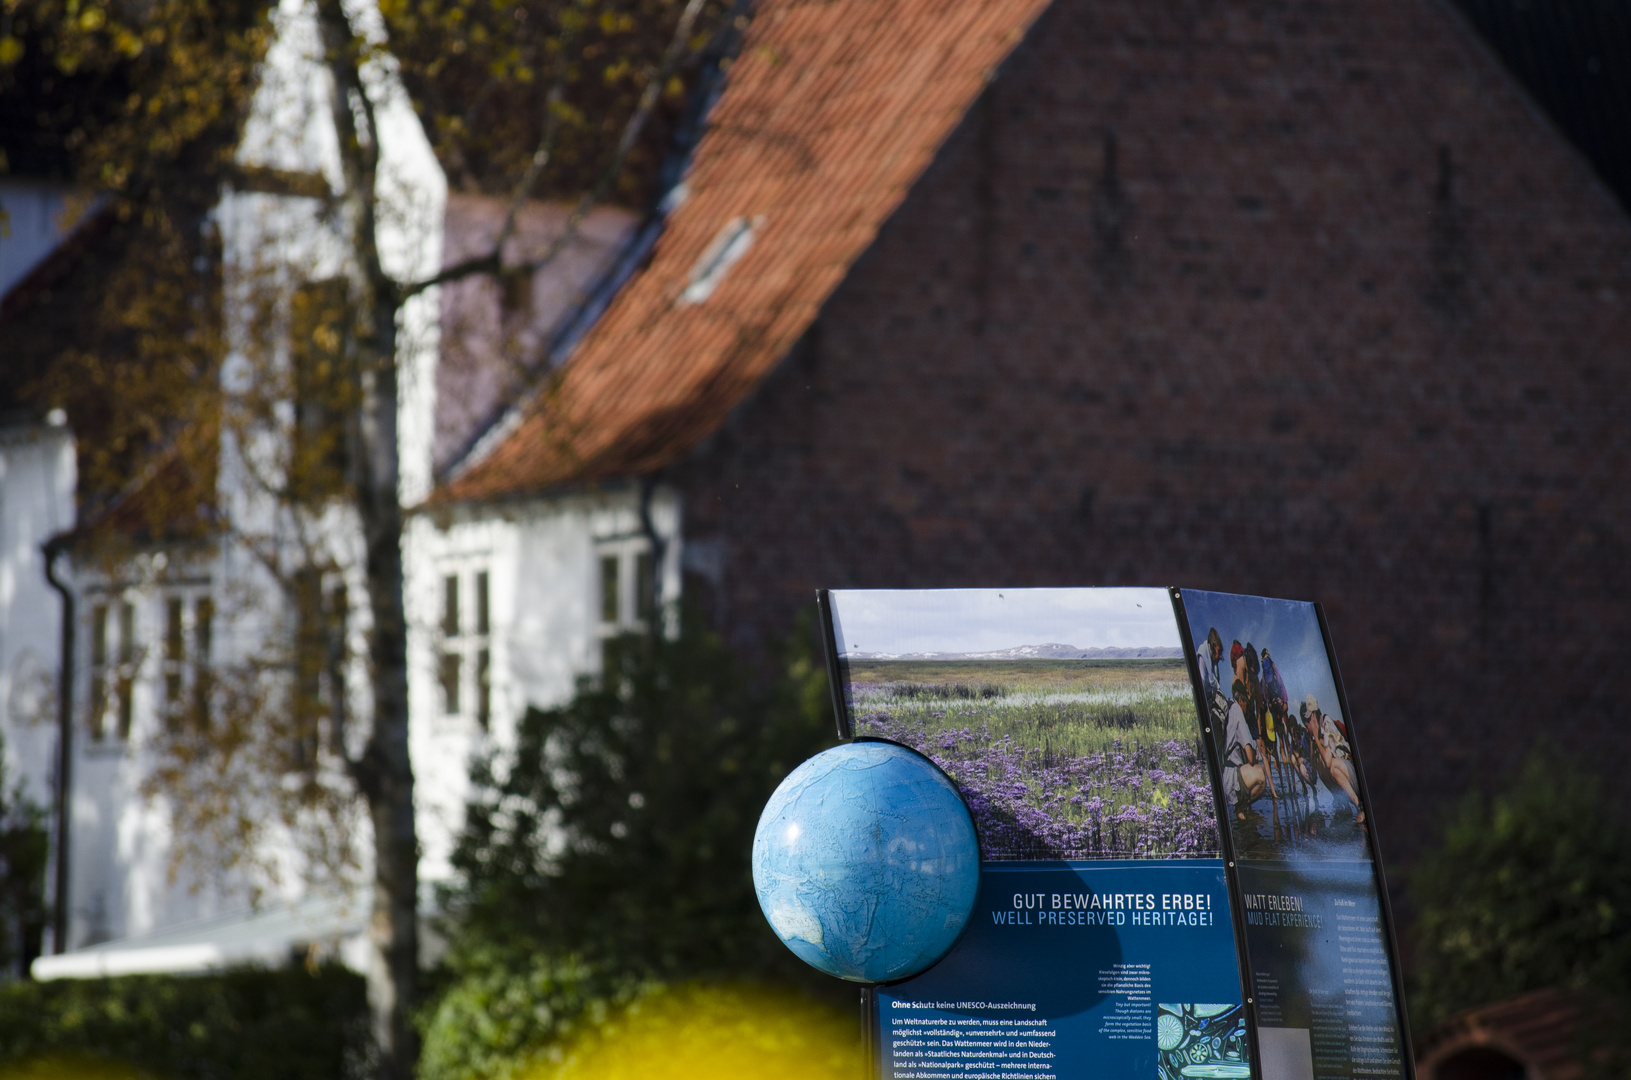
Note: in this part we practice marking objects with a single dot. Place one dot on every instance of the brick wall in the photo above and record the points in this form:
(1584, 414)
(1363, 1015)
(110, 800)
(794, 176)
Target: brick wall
(1300, 299)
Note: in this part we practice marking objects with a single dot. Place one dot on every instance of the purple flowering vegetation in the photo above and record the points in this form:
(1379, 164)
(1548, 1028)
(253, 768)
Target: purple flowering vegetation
(1056, 759)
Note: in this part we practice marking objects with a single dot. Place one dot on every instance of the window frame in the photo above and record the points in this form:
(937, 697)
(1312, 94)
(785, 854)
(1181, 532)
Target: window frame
(145, 665)
(637, 592)
(463, 655)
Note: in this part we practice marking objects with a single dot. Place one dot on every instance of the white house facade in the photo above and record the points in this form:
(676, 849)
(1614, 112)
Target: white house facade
(509, 605)
(36, 503)
(514, 606)
(150, 626)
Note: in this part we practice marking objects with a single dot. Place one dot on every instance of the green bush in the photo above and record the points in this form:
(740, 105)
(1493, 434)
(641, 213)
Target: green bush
(1530, 889)
(247, 1024)
(610, 851)
(502, 1008)
(25, 854)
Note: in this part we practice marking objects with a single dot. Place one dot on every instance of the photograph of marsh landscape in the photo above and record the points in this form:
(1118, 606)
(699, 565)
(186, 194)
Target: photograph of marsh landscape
(1057, 758)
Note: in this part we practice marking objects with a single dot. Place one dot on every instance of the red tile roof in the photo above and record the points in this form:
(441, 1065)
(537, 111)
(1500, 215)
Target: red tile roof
(832, 111)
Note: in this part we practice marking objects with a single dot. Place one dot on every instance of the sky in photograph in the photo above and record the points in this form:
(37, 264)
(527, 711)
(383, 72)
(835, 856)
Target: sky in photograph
(1288, 629)
(984, 620)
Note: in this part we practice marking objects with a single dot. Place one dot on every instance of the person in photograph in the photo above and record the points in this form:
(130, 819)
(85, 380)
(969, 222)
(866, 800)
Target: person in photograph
(1333, 757)
(1245, 776)
(1207, 658)
(1300, 749)
(1276, 710)
(1238, 655)
(1274, 696)
(1258, 718)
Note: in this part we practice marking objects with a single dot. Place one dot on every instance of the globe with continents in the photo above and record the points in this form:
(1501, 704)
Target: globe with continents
(866, 862)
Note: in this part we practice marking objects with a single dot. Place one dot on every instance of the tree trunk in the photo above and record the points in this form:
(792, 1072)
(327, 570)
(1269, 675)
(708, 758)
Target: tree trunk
(385, 772)
(388, 769)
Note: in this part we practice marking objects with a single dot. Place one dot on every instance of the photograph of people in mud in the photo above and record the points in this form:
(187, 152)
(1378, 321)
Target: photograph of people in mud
(1065, 716)
(1290, 779)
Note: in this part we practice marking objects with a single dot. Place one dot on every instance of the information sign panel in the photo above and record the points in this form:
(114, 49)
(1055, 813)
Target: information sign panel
(1115, 918)
(1106, 962)
(1103, 931)
(1317, 934)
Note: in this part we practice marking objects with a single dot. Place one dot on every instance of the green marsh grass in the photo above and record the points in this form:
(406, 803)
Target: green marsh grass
(1057, 758)
(1071, 707)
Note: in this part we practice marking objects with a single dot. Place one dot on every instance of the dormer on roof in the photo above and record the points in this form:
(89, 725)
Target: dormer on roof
(829, 114)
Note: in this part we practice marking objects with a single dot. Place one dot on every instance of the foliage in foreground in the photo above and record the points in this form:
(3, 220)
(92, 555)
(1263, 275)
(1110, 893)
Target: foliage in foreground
(610, 852)
(502, 1008)
(480, 74)
(701, 1032)
(249, 1024)
(25, 853)
(141, 104)
(1530, 889)
(69, 1067)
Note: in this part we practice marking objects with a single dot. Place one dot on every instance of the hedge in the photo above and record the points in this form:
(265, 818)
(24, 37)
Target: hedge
(246, 1024)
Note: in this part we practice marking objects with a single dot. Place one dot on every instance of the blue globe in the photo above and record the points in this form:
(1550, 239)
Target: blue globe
(866, 863)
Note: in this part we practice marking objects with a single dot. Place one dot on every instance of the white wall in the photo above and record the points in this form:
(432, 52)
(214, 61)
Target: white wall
(543, 561)
(121, 880)
(36, 502)
(121, 863)
(542, 557)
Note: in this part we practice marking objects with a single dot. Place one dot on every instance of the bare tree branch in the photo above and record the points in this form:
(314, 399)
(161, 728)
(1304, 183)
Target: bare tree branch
(546, 145)
(492, 261)
(359, 145)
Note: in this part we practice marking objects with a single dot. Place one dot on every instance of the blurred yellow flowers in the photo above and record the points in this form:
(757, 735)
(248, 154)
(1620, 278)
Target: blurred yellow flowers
(69, 1068)
(688, 1032)
(704, 1032)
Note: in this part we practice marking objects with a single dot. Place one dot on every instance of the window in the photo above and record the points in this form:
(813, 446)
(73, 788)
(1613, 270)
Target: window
(203, 631)
(447, 670)
(465, 651)
(729, 246)
(99, 672)
(311, 655)
(180, 635)
(448, 674)
(113, 669)
(450, 605)
(628, 588)
(318, 664)
(127, 669)
(628, 595)
(189, 626)
(484, 692)
(609, 574)
(175, 657)
(484, 654)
